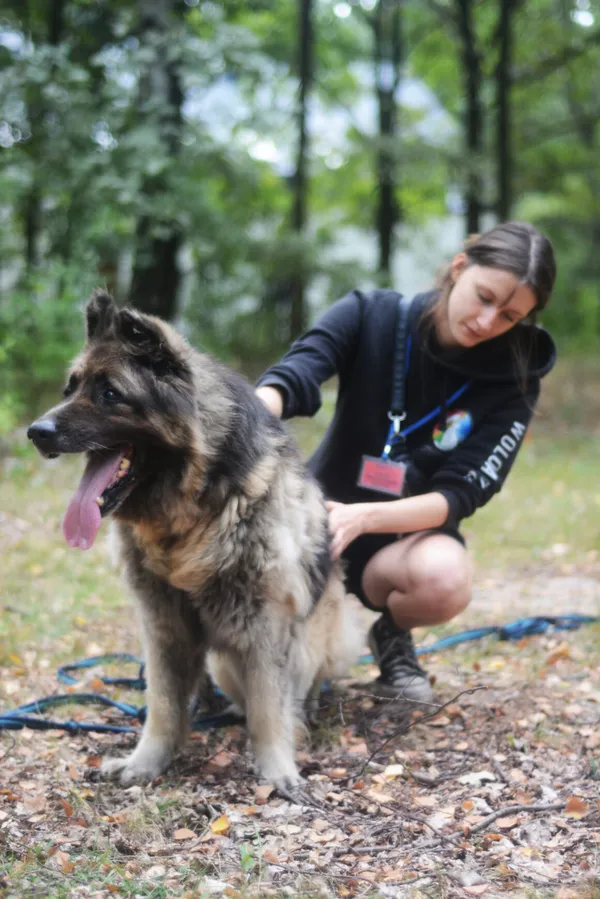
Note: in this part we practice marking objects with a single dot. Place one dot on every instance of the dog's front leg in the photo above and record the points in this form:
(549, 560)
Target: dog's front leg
(173, 660)
(270, 716)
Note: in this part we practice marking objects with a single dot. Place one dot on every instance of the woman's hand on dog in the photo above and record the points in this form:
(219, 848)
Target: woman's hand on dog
(346, 523)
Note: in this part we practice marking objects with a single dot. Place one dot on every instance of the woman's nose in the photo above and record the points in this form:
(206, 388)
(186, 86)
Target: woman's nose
(487, 318)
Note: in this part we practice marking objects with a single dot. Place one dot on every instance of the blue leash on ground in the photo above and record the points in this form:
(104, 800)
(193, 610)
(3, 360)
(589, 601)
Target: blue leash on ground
(27, 715)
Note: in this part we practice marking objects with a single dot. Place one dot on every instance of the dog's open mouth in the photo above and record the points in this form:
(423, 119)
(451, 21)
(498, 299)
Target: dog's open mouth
(105, 481)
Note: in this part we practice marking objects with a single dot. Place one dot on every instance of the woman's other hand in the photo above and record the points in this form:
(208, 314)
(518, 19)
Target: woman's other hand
(346, 523)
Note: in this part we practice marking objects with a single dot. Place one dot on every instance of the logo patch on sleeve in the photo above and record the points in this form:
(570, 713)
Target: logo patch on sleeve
(459, 425)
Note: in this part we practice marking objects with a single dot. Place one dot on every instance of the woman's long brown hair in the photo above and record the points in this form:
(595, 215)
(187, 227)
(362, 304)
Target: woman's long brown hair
(515, 247)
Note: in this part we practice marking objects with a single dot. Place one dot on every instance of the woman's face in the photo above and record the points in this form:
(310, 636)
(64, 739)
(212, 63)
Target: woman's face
(483, 303)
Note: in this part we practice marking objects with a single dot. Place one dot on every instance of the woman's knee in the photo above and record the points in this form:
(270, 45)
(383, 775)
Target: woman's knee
(445, 589)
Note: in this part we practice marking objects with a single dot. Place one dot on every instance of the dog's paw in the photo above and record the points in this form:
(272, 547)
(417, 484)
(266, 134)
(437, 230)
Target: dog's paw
(284, 777)
(128, 771)
(287, 782)
(142, 765)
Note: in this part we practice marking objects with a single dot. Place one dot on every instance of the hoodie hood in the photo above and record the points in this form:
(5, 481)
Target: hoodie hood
(493, 360)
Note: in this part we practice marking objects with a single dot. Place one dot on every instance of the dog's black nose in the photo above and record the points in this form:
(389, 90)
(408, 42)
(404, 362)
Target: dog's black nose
(43, 433)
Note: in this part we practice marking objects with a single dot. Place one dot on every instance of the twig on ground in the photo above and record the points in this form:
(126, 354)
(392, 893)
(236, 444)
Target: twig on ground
(410, 724)
(366, 850)
(426, 779)
(497, 767)
(325, 874)
(448, 838)
(300, 797)
(513, 809)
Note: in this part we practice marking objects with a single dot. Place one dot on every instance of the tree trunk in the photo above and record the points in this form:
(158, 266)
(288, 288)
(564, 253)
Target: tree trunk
(299, 209)
(32, 225)
(471, 65)
(57, 21)
(156, 276)
(32, 203)
(503, 96)
(586, 128)
(388, 61)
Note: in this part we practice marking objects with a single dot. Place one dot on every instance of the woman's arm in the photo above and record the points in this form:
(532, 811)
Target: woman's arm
(401, 516)
(326, 349)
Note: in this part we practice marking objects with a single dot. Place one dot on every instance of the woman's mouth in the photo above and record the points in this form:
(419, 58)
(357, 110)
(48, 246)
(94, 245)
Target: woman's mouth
(471, 333)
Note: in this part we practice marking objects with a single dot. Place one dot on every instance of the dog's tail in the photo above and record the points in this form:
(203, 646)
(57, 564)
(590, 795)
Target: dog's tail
(327, 646)
(337, 631)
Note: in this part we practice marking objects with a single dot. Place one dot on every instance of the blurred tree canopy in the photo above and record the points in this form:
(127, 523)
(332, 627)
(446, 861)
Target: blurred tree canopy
(202, 158)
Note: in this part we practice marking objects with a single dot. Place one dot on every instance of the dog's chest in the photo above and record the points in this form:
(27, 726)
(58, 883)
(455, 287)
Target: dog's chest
(186, 561)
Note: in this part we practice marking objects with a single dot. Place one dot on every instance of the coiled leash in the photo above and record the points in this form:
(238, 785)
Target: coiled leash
(29, 715)
(24, 715)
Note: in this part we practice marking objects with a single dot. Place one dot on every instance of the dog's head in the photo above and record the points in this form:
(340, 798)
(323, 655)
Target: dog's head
(128, 403)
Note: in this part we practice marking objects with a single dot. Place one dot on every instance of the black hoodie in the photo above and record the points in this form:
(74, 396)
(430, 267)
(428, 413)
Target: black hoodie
(466, 453)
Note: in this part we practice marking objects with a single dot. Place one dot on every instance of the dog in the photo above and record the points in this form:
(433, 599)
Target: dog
(223, 535)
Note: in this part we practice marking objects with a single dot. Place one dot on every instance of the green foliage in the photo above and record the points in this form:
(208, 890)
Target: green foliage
(41, 330)
(89, 149)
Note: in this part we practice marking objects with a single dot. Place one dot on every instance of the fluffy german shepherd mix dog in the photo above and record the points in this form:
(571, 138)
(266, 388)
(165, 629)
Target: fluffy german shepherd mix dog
(223, 534)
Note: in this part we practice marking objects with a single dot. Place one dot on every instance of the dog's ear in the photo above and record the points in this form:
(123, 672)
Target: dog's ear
(99, 314)
(140, 332)
(149, 342)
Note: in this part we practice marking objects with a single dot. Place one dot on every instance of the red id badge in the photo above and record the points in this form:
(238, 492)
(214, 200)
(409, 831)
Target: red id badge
(382, 475)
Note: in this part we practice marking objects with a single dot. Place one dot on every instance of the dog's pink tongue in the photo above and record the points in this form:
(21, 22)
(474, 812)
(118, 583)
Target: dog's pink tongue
(82, 520)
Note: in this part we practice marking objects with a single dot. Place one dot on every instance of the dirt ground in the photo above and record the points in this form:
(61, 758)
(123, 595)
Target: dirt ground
(495, 793)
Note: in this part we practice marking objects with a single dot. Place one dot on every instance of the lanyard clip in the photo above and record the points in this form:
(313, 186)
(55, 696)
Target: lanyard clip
(396, 421)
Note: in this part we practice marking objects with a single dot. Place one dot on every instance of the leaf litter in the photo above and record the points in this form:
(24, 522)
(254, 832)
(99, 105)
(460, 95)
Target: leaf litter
(501, 798)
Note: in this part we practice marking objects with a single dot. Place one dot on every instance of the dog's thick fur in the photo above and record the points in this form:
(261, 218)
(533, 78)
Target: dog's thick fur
(223, 535)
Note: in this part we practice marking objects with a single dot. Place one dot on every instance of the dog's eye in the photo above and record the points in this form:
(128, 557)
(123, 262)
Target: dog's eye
(109, 395)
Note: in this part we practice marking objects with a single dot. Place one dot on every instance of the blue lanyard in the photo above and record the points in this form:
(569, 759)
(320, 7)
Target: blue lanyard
(395, 435)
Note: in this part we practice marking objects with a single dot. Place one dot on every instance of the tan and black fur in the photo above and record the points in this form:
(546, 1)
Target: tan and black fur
(223, 535)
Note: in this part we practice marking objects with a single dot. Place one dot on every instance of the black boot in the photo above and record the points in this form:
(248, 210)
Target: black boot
(401, 675)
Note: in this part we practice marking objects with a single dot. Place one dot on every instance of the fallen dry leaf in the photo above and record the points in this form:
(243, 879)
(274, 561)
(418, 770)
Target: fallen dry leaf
(63, 861)
(359, 748)
(262, 793)
(562, 651)
(68, 808)
(476, 778)
(439, 721)
(221, 760)
(377, 796)
(426, 801)
(34, 803)
(221, 825)
(576, 807)
(393, 771)
(184, 834)
(518, 775)
(477, 889)
(507, 823)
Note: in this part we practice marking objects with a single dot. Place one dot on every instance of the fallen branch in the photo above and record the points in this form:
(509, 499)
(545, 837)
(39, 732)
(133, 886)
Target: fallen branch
(513, 809)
